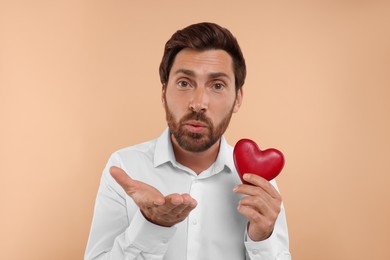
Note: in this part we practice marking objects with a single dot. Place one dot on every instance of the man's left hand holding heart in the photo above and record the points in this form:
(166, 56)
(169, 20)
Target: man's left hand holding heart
(261, 206)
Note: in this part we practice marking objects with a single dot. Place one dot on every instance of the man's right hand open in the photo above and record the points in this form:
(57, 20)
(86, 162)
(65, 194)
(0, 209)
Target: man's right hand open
(157, 208)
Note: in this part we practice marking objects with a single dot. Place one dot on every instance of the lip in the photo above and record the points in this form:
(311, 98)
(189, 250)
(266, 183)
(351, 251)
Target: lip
(196, 126)
(195, 123)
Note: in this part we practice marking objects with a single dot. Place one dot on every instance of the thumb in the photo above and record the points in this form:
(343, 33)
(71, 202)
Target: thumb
(121, 177)
(139, 191)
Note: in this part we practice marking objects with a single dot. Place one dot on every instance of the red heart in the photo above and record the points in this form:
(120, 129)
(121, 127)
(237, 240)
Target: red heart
(248, 158)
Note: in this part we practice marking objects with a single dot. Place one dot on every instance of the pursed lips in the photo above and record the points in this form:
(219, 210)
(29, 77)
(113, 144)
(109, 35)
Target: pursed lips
(194, 123)
(196, 126)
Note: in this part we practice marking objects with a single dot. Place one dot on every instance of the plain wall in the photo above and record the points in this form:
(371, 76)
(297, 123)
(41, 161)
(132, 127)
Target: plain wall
(79, 80)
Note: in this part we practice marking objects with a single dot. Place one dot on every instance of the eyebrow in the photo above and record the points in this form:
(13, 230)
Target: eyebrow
(186, 72)
(212, 75)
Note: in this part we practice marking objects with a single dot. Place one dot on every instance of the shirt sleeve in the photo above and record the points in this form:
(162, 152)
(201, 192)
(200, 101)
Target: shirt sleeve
(117, 231)
(276, 247)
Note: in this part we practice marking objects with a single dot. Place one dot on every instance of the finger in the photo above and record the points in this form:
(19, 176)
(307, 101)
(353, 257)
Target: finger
(173, 204)
(259, 204)
(142, 193)
(184, 199)
(252, 191)
(121, 177)
(173, 200)
(191, 201)
(183, 204)
(250, 213)
(256, 217)
(262, 183)
(260, 226)
(185, 211)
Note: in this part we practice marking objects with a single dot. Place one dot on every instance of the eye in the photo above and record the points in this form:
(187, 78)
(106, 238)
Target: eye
(218, 86)
(183, 83)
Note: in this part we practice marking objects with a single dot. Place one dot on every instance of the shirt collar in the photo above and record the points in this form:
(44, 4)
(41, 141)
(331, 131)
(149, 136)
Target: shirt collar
(225, 157)
(164, 153)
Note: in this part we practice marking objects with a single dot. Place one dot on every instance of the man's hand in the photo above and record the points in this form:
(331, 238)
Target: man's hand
(164, 211)
(261, 206)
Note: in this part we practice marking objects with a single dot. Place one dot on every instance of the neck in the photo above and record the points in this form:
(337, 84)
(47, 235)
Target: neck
(198, 162)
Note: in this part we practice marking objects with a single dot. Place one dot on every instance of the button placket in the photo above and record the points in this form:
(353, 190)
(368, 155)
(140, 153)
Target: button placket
(193, 221)
(195, 192)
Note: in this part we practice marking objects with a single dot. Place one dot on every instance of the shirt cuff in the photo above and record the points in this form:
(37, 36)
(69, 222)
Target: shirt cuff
(148, 237)
(265, 249)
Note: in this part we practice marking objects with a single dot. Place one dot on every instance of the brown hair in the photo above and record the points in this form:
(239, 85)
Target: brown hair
(203, 36)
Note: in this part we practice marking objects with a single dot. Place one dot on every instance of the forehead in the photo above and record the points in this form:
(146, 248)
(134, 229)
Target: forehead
(203, 62)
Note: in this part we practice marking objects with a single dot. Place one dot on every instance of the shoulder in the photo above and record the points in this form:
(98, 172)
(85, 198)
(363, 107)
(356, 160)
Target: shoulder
(141, 149)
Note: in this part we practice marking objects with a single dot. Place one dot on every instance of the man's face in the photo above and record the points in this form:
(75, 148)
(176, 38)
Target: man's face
(200, 98)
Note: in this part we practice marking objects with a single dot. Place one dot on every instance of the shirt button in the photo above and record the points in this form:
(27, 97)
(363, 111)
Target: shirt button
(194, 222)
(255, 251)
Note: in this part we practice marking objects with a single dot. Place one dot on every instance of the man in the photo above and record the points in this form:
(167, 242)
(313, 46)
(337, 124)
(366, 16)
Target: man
(179, 196)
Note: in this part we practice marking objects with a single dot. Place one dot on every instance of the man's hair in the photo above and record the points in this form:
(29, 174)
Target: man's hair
(203, 36)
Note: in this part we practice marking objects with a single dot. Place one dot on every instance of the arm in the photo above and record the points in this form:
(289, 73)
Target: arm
(120, 230)
(267, 235)
(274, 247)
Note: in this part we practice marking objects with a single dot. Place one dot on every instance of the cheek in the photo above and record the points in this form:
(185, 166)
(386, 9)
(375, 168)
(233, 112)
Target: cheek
(176, 108)
(217, 112)
(224, 107)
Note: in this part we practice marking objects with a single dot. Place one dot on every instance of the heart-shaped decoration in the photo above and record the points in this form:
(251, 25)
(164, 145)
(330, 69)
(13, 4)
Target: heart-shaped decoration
(248, 158)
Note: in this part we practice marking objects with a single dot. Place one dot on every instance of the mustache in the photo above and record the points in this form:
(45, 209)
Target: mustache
(198, 117)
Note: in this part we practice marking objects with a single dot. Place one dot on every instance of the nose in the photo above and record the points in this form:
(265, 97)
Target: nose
(199, 101)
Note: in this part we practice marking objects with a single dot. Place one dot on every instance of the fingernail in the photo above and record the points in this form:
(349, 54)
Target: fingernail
(158, 202)
(235, 188)
(176, 201)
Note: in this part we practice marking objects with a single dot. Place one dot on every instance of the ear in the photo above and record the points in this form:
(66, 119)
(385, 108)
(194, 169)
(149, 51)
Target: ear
(238, 101)
(163, 89)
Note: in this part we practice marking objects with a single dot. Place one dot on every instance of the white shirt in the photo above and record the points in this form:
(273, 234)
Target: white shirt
(213, 230)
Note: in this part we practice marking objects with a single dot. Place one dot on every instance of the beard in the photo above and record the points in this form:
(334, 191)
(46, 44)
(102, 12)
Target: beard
(196, 142)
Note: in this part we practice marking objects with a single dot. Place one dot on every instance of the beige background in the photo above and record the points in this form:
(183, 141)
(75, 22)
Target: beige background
(79, 79)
